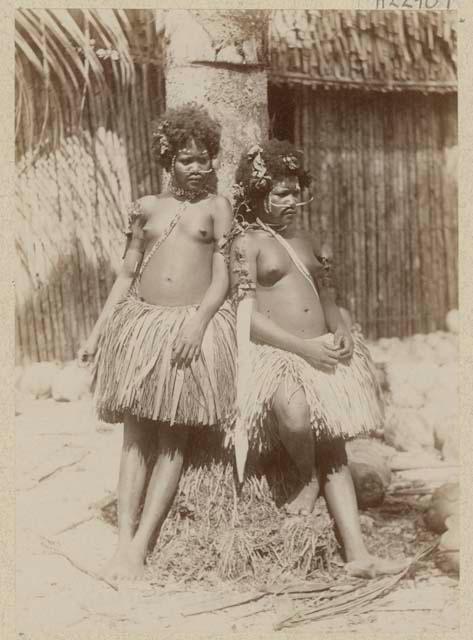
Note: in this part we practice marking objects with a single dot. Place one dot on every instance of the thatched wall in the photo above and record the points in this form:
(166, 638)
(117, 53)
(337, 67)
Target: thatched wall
(71, 207)
(384, 168)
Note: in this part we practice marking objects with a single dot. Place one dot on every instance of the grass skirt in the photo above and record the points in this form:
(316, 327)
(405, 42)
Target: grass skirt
(346, 402)
(134, 374)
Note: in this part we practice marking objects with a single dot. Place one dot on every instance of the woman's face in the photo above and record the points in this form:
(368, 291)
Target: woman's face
(282, 200)
(192, 166)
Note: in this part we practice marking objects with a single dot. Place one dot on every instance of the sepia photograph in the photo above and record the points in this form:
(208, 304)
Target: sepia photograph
(236, 322)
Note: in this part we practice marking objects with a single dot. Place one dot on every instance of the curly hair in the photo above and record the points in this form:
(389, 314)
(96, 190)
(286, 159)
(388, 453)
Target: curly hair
(178, 126)
(259, 168)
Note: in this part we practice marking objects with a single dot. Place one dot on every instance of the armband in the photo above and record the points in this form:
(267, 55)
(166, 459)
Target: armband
(224, 245)
(244, 285)
(326, 280)
(134, 230)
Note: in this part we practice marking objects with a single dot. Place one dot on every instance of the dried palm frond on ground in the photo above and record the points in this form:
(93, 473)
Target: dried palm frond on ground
(356, 598)
(212, 533)
(289, 566)
(312, 601)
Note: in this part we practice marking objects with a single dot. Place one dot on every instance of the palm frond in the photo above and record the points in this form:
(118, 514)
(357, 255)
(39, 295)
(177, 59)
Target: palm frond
(61, 56)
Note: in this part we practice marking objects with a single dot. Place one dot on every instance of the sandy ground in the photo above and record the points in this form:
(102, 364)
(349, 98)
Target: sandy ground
(65, 464)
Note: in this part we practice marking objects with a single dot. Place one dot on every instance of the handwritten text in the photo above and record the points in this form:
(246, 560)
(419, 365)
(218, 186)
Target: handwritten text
(415, 4)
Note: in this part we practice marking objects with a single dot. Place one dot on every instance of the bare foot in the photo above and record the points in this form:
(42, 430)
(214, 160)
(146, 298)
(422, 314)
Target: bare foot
(302, 503)
(373, 567)
(126, 564)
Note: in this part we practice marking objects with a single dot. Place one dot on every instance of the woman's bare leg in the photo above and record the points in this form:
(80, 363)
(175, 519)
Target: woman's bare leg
(341, 500)
(292, 413)
(162, 488)
(136, 453)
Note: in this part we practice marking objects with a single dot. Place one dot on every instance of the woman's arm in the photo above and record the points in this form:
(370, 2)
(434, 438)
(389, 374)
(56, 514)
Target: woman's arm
(327, 293)
(131, 263)
(218, 288)
(118, 291)
(325, 283)
(333, 317)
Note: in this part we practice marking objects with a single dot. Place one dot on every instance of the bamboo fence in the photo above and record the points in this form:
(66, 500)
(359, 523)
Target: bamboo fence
(384, 181)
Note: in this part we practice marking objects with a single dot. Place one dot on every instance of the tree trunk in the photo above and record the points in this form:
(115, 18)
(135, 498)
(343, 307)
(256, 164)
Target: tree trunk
(218, 59)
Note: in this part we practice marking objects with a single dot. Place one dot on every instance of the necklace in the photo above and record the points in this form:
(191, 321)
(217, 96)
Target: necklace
(187, 194)
(272, 225)
(277, 227)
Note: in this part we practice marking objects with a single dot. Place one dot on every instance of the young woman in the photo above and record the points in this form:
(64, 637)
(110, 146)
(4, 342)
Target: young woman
(165, 343)
(309, 383)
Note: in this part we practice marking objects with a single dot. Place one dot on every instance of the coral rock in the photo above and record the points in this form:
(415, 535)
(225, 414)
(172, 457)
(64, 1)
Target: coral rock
(37, 379)
(71, 384)
(443, 505)
(408, 430)
(453, 321)
(447, 557)
(368, 461)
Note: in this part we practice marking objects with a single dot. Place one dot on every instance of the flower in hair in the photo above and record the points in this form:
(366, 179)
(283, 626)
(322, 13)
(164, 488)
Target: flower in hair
(260, 178)
(291, 162)
(254, 151)
(163, 140)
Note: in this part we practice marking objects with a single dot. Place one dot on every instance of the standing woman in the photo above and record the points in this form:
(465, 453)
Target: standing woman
(165, 340)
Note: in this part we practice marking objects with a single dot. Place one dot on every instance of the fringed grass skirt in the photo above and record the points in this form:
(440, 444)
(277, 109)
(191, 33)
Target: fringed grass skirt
(134, 373)
(345, 402)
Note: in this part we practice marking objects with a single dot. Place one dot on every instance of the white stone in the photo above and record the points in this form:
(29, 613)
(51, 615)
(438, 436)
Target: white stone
(445, 352)
(451, 447)
(444, 503)
(420, 351)
(423, 376)
(407, 397)
(399, 352)
(447, 557)
(37, 379)
(385, 343)
(407, 430)
(71, 383)
(377, 353)
(453, 321)
(441, 423)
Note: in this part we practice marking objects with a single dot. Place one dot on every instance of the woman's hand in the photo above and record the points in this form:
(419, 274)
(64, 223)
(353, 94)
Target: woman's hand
(188, 343)
(320, 353)
(86, 353)
(344, 341)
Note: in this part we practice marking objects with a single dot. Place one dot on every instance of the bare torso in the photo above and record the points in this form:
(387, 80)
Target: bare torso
(282, 293)
(180, 271)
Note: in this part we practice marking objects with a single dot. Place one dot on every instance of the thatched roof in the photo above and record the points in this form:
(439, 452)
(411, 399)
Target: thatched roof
(372, 50)
(61, 52)
(381, 50)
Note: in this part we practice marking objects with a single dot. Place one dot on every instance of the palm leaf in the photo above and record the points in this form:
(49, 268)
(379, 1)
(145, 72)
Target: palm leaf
(55, 49)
